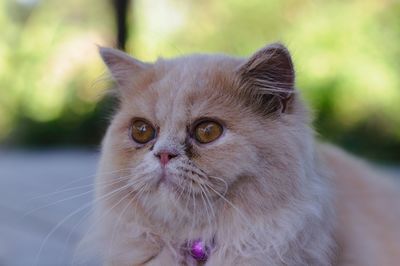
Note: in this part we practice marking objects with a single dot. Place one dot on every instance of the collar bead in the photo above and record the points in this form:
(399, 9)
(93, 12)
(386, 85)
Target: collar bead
(199, 250)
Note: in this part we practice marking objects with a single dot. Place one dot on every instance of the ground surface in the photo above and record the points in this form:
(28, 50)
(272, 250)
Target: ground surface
(44, 200)
(38, 225)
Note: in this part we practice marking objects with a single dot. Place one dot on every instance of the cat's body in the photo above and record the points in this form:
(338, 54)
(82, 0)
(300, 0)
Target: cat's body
(367, 207)
(261, 192)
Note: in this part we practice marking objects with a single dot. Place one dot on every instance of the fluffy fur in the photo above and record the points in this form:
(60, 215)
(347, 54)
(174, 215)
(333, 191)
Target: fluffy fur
(264, 193)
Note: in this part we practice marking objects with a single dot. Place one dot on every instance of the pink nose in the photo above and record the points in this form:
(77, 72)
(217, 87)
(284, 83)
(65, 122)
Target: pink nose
(165, 156)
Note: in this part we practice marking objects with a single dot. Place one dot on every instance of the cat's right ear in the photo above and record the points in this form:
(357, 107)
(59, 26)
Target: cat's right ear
(267, 78)
(123, 68)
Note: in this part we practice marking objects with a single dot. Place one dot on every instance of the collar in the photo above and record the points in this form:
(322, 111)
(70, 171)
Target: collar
(199, 250)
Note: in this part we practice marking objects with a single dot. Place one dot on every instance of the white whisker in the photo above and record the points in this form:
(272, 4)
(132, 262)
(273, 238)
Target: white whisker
(222, 180)
(72, 197)
(116, 225)
(66, 187)
(205, 206)
(69, 216)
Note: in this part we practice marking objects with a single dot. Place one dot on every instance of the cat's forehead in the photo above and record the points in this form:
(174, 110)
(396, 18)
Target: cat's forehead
(189, 87)
(191, 74)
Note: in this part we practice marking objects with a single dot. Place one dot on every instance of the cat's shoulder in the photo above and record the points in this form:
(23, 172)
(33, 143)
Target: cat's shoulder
(367, 202)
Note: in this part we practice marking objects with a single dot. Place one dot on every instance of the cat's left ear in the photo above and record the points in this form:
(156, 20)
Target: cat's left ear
(268, 78)
(122, 67)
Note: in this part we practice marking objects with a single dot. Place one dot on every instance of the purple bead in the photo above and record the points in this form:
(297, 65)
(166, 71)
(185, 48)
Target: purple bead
(199, 250)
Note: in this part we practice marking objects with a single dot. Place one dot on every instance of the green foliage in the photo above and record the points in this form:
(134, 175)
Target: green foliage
(48, 67)
(346, 55)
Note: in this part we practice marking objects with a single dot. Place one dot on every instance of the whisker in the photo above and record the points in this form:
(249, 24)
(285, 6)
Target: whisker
(98, 219)
(194, 208)
(205, 205)
(71, 197)
(60, 189)
(116, 225)
(222, 180)
(84, 217)
(241, 215)
(107, 212)
(69, 216)
(181, 188)
(230, 203)
(97, 183)
(204, 189)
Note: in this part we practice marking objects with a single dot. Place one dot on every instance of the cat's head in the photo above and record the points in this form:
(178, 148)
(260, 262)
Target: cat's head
(200, 128)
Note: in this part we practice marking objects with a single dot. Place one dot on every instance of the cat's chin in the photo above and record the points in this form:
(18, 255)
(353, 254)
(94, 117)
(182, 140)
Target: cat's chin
(168, 200)
(165, 204)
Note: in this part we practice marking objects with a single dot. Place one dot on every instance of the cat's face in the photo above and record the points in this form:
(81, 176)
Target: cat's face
(194, 129)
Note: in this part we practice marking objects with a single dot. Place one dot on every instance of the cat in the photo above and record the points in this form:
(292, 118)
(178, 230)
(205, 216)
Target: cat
(216, 155)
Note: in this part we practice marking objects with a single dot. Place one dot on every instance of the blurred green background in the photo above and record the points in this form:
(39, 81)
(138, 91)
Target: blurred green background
(347, 57)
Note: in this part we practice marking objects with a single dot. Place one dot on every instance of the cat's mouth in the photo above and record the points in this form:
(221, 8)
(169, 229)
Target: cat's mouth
(166, 179)
(174, 182)
(189, 180)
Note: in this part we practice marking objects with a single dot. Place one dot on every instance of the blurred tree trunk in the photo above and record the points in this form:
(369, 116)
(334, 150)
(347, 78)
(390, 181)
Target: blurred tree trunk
(121, 9)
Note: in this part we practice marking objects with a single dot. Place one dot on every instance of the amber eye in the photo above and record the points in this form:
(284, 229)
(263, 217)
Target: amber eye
(207, 131)
(142, 132)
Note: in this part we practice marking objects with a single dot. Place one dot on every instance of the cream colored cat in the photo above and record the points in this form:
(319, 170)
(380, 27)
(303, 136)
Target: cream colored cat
(211, 160)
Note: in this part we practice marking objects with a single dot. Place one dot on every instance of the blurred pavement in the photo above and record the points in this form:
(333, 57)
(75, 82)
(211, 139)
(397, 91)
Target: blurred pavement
(29, 218)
